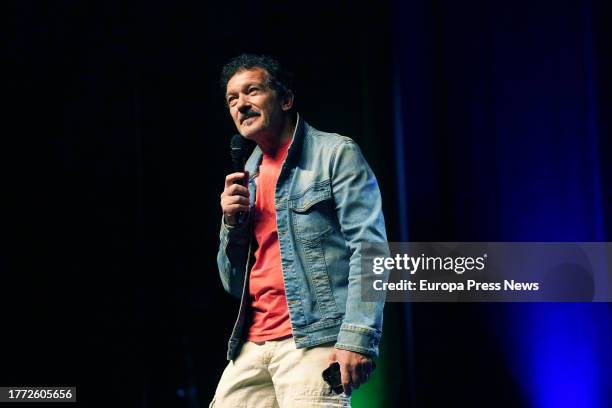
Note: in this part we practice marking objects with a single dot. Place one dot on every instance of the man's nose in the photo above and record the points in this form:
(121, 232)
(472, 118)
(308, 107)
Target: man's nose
(243, 103)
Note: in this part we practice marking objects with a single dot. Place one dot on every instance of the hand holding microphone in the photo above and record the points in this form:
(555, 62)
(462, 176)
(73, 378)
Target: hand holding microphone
(235, 196)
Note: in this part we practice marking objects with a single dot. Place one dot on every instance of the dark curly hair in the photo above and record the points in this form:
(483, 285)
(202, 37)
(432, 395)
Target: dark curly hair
(279, 78)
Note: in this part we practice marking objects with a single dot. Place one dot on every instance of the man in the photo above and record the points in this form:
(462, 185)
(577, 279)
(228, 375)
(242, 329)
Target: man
(290, 250)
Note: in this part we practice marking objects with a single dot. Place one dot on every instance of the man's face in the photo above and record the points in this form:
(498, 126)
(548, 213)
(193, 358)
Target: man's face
(256, 109)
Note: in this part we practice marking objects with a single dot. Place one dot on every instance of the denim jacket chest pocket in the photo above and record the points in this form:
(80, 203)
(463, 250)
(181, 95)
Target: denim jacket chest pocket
(313, 213)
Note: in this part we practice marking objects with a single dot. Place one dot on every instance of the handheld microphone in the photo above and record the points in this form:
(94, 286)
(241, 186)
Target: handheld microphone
(238, 151)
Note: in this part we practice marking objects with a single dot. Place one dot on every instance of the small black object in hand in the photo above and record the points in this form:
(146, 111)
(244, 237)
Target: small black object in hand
(331, 375)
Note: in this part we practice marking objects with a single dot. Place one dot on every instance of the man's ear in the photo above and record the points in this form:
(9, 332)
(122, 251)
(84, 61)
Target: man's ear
(288, 102)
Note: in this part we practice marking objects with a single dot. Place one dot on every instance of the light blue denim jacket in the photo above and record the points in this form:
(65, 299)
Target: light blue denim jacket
(327, 203)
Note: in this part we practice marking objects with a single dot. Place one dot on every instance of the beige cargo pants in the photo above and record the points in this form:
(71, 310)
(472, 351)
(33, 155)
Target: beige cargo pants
(274, 374)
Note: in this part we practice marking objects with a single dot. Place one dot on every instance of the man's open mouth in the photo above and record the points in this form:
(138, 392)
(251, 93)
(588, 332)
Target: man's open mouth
(247, 118)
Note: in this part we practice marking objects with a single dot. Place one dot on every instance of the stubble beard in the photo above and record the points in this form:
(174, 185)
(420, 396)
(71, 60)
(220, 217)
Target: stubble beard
(254, 132)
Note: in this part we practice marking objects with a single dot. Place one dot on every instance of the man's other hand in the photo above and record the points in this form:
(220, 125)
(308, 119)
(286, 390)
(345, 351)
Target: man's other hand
(355, 368)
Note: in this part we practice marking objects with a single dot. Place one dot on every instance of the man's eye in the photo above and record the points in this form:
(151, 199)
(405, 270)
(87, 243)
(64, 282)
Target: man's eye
(251, 90)
(231, 101)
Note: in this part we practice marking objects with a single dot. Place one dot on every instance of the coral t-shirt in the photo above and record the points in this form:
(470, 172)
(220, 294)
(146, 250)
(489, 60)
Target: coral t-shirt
(270, 315)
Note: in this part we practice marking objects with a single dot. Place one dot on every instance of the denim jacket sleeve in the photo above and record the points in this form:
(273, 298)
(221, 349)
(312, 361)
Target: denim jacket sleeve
(359, 209)
(232, 257)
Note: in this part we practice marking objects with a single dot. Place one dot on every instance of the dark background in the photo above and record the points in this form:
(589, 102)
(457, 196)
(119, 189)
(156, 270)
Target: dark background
(116, 147)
